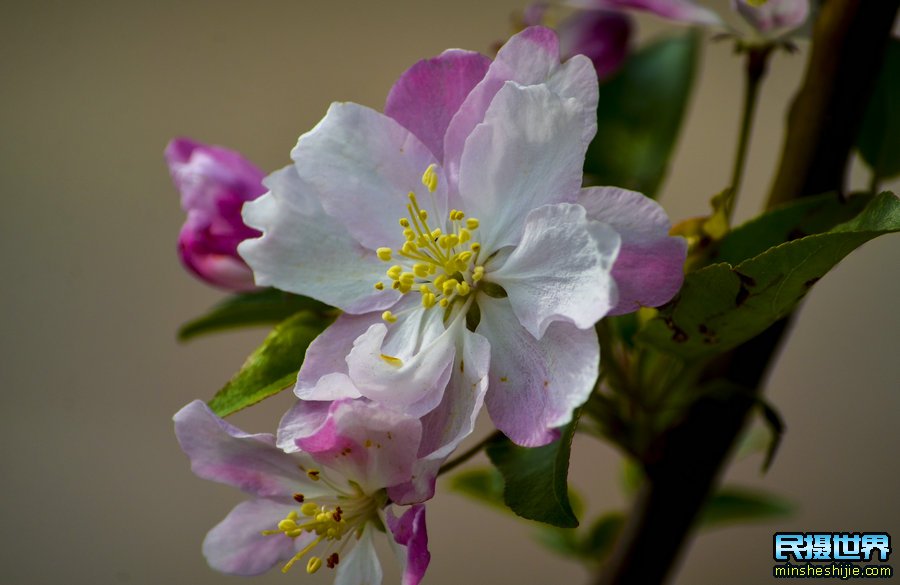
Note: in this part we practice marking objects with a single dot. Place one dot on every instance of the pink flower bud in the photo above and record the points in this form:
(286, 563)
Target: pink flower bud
(214, 183)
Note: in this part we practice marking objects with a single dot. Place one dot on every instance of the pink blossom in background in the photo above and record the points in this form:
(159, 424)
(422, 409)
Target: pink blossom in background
(321, 500)
(214, 183)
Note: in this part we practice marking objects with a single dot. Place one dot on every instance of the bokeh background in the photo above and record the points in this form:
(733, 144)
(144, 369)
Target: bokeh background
(94, 487)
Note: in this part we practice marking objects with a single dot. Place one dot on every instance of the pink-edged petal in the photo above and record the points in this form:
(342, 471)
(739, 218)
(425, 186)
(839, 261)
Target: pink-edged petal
(686, 11)
(602, 36)
(527, 153)
(773, 15)
(430, 92)
(363, 165)
(221, 452)
(324, 374)
(360, 566)
(305, 418)
(305, 251)
(535, 384)
(411, 535)
(445, 427)
(406, 366)
(236, 545)
(560, 271)
(528, 58)
(650, 267)
(366, 443)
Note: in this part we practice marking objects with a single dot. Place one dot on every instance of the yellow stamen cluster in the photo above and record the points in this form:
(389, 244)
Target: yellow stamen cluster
(440, 266)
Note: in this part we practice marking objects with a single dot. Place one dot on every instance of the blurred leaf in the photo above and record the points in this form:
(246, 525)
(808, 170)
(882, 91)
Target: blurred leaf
(632, 475)
(640, 112)
(721, 306)
(807, 216)
(265, 307)
(536, 479)
(879, 136)
(271, 368)
(731, 505)
(602, 535)
(776, 427)
(484, 485)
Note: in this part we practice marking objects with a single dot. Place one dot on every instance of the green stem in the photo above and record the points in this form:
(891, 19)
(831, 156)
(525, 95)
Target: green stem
(473, 451)
(756, 67)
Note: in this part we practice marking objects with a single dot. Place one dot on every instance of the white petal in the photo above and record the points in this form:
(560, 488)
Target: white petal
(363, 165)
(305, 251)
(560, 271)
(535, 384)
(528, 152)
(361, 566)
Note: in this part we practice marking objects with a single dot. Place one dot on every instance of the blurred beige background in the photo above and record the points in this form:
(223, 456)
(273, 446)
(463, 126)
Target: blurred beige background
(95, 489)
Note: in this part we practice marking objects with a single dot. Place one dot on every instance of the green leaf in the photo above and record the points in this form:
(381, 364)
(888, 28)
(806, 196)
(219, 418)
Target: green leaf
(731, 505)
(484, 485)
(536, 479)
(265, 307)
(602, 535)
(640, 112)
(807, 216)
(879, 137)
(271, 368)
(721, 306)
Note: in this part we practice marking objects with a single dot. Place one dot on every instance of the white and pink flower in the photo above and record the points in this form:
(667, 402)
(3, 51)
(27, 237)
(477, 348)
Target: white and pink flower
(321, 490)
(453, 232)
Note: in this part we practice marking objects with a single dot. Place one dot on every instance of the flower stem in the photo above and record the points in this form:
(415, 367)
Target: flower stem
(451, 465)
(755, 70)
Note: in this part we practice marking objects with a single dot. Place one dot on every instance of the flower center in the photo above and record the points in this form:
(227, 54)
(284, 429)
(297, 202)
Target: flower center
(331, 523)
(441, 264)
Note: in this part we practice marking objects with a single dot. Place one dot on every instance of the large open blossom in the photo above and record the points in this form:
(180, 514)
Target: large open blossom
(214, 183)
(454, 233)
(320, 493)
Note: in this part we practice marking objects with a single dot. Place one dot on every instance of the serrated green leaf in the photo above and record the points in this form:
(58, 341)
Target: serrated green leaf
(732, 504)
(640, 113)
(271, 368)
(879, 137)
(721, 306)
(536, 479)
(266, 307)
(484, 485)
(804, 217)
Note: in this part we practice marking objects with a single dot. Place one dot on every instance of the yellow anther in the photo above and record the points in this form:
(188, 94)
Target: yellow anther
(388, 316)
(404, 222)
(395, 285)
(379, 286)
(464, 235)
(463, 288)
(449, 286)
(464, 256)
(475, 247)
(452, 240)
(309, 509)
(424, 289)
(384, 254)
(430, 178)
(478, 273)
(287, 524)
(444, 302)
(314, 564)
(409, 234)
(436, 233)
(409, 247)
(407, 279)
(421, 270)
(472, 223)
(313, 474)
(440, 280)
(428, 300)
(294, 533)
(442, 242)
(423, 215)
(394, 272)
(394, 361)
